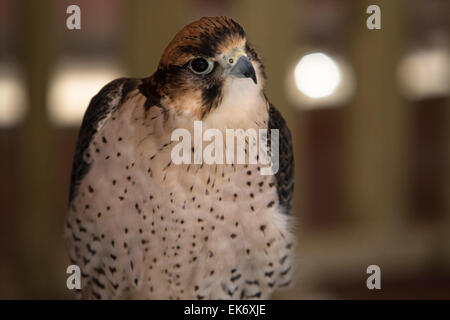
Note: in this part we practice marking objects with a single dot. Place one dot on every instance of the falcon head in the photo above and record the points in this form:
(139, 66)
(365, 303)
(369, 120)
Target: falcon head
(209, 66)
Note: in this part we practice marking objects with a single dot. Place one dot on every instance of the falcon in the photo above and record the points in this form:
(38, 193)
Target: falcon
(140, 226)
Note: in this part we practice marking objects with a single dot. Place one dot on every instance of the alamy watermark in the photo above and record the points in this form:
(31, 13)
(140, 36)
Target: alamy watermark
(74, 280)
(73, 22)
(224, 151)
(374, 280)
(374, 20)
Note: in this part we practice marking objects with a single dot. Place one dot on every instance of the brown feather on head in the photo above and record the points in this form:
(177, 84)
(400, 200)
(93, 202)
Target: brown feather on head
(207, 36)
(197, 64)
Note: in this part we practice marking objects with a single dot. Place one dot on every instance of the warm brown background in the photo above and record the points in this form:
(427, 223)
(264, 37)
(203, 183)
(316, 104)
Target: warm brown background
(373, 175)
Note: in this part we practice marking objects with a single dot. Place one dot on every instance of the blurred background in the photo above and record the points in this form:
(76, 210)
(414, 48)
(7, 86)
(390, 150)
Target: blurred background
(369, 111)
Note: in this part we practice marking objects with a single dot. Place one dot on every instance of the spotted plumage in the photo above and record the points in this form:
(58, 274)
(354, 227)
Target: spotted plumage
(141, 226)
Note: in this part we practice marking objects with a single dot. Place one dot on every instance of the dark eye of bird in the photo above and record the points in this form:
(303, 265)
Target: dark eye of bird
(199, 65)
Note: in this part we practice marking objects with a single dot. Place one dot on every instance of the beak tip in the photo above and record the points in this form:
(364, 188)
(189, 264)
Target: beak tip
(244, 68)
(252, 76)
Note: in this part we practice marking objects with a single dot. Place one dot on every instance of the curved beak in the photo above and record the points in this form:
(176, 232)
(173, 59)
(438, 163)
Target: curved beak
(243, 68)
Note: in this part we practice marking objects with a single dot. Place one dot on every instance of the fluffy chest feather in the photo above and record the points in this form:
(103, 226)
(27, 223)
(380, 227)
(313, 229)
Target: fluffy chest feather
(175, 231)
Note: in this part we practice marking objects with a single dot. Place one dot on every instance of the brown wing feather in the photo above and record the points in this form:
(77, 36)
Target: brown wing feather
(285, 176)
(100, 107)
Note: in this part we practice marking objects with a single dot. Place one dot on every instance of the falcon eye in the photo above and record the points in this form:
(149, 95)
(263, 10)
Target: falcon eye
(201, 66)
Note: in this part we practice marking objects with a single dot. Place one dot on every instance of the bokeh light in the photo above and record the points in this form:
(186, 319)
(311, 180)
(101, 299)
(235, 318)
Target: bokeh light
(73, 85)
(12, 97)
(319, 80)
(317, 75)
(425, 73)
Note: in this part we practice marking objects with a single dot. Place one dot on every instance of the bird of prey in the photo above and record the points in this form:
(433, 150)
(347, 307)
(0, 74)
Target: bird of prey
(140, 226)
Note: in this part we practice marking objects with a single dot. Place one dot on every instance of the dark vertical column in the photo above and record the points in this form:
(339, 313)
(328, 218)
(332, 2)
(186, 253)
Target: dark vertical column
(36, 242)
(9, 182)
(10, 213)
(427, 161)
(377, 123)
(323, 156)
(326, 28)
